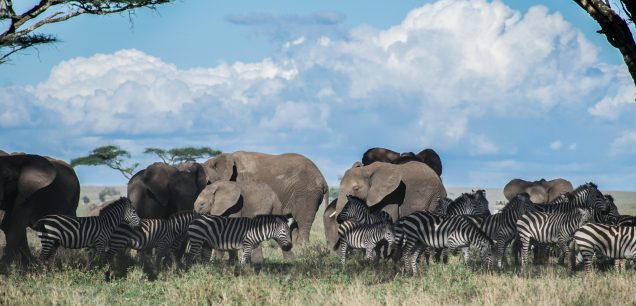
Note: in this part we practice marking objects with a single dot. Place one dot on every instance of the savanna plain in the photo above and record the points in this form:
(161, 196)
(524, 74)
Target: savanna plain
(314, 277)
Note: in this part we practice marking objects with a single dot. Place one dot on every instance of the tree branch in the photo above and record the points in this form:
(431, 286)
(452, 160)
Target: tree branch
(615, 29)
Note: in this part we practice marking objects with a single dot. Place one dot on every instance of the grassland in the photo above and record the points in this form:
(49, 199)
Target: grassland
(314, 277)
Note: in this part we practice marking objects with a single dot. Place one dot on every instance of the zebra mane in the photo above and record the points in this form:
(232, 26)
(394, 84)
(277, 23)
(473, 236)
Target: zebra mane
(586, 186)
(516, 201)
(121, 202)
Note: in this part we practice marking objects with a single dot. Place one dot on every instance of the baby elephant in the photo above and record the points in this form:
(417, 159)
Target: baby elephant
(363, 236)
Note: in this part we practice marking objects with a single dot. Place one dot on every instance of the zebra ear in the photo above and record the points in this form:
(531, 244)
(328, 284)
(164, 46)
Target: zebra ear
(290, 221)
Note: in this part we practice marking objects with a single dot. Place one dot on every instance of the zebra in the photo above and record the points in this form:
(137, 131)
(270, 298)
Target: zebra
(165, 235)
(469, 204)
(355, 235)
(358, 211)
(617, 242)
(84, 232)
(502, 226)
(225, 233)
(424, 229)
(355, 209)
(550, 228)
(611, 216)
(466, 204)
(584, 196)
(626, 220)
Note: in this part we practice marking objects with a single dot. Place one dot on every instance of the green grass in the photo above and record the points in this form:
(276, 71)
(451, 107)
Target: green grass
(314, 277)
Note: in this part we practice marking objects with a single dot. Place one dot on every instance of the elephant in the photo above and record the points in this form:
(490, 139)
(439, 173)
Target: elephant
(330, 225)
(540, 191)
(295, 180)
(427, 156)
(161, 190)
(31, 187)
(397, 189)
(233, 199)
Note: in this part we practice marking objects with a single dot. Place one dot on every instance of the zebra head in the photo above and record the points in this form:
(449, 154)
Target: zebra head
(480, 203)
(585, 216)
(612, 214)
(591, 196)
(353, 209)
(389, 233)
(442, 205)
(130, 215)
(520, 204)
(283, 232)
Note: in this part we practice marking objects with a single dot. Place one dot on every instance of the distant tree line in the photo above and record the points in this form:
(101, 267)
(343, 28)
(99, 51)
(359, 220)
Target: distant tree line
(117, 158)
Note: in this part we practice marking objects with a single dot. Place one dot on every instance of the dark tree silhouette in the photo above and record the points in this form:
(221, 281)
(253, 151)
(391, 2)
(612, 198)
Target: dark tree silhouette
(615, 27)
(111, 156)
(180, 155)
(18, 32)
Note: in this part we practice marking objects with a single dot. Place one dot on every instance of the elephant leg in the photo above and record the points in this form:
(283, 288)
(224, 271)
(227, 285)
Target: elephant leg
(17, 248)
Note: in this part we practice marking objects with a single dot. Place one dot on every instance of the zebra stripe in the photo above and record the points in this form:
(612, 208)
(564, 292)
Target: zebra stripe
(355, 209)
(166, 235)
(550, 228)
(617, 242)
(224, 233)
(584, 196)
(424, 229)
(626, 220)
(84, 232)
(354, 235)
(502, 227)
(466, 204)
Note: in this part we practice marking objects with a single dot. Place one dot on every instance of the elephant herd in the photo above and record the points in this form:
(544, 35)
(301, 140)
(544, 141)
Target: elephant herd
(239, 184)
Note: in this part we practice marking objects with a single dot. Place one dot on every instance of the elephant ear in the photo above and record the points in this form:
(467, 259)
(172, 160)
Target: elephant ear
(36, 173)
(226, 197)
(383, 180)
(157, 180)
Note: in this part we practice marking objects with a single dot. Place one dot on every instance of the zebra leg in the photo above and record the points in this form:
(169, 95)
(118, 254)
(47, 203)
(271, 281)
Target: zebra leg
(525, 248)
(565, 251)
(343, 252)
(466, 253)
(233, 255)
(48, 251)
(501, 249)
(587, 261)
(193, 249)
(413, 259)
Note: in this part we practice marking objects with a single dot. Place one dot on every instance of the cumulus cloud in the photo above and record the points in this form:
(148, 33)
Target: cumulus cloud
(555, 145)
(444, 77)
(624, 144)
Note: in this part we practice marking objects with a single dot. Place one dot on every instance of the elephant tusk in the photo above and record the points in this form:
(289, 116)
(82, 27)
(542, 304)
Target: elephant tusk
(333, 214)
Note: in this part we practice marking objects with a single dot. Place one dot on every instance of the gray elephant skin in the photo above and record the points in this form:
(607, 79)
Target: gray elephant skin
(540, 191)
(161, 190)
(427, 156)
(233, 199)
(31, 187)
(295, 180)
(397, 189)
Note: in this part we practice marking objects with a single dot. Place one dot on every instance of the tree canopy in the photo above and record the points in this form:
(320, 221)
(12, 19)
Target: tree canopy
(111, 156)
(185, 154)
(19, 27)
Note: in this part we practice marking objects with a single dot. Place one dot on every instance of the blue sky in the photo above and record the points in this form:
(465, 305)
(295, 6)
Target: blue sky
(500, 89)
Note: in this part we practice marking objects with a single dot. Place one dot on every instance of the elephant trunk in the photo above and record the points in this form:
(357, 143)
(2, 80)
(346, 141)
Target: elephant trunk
(342, 200)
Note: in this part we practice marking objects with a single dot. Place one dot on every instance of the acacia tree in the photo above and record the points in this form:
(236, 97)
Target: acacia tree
(180, 155)
(111, 156)
(19, 27)
(615, 27)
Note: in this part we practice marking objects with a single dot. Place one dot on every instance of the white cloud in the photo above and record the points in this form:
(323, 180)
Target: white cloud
(611, 107)
(572, 146)
(624, 144)
(555, 145)
(444, 77)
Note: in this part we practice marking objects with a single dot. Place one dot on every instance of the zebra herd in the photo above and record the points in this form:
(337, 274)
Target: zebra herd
(118, 227)
(582, 224)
